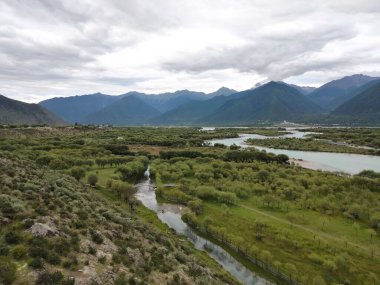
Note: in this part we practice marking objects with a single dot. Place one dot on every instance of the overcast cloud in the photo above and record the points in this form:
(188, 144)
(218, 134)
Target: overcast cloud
(67, 47)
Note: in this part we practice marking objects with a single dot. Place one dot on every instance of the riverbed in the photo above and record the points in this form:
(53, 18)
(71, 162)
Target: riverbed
(170, 214)
(328, 161)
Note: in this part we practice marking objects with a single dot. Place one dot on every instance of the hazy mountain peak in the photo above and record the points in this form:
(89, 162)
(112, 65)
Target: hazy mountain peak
(222, 91)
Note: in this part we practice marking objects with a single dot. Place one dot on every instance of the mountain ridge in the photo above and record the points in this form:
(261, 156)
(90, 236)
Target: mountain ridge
(334, 93)
(17, 112)
(273, 101)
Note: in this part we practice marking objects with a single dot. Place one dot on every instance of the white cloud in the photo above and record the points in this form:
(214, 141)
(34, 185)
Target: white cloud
(67, 47)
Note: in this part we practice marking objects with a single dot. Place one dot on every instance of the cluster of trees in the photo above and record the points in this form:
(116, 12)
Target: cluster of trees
(252, 155)
(231, 155)
(310, 144)
(357, 136)
(134, 170)
(112, 161)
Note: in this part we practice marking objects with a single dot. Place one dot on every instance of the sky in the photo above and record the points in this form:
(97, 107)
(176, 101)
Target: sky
(69, 47)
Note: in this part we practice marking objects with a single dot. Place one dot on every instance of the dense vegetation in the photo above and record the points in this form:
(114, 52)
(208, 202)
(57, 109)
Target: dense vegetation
(369, 137)
(307, 223)
(67, 204)
(311, 144)
(59, 225)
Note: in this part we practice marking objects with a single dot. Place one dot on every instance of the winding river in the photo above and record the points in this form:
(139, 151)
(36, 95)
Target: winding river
(170, 214)
(330, 161)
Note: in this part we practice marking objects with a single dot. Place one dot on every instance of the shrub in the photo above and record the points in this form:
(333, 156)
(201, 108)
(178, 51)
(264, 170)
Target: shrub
(37, 262)
(4, 250)
(97, 238)
(78, 173)
(12, 237)
(53, 258)
(47, 278)
(7, 271)
(121, 280)
(92, 179)
(19, 251)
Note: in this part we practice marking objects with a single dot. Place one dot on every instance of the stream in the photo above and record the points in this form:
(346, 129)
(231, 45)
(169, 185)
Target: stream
(170, 214)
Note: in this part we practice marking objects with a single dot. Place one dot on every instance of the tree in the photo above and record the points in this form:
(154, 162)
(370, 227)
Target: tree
(371, 233)
(207, 221)
(92, 179)
(78, 173)
(196, 206)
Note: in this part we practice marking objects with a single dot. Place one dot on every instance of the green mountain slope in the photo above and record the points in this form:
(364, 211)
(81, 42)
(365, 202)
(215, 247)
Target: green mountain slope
(331, 95)
(17, 112)
(129, 110)
(365, 106)
(190, 112)
(75, 108)
(271, 102)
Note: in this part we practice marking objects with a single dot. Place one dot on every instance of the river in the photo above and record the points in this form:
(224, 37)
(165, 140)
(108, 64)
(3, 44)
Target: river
(170, 214)
(330, 161)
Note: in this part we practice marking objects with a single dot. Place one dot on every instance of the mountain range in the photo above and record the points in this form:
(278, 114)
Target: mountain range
(353, 97)
(17, 112)
(331, 95)
(365, 106)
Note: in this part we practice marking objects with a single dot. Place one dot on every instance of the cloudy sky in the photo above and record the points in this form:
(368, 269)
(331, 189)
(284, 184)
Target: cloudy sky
(67, 47)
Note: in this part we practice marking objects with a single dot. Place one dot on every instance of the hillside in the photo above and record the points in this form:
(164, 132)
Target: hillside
(129, 110)
(330, 95)
(17, 112)
(190, 112)
(305, 90)
(271, 102)
(171, 100)
(75, 108)
(56, 230)
(365, 106)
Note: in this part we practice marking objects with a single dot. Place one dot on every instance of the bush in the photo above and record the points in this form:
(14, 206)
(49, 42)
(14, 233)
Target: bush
(78, 173)
(97, 238)
(12, 237)
(7, 271)
(19, 251)
(53, 258)
(4, 250)
(47, 278)
(37, 263)
(92, 179)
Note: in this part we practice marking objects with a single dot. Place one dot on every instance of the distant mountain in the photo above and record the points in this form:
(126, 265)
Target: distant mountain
(171, 100)
(190, 112)
(129, 110)
(76, 108)
(274, 101)
(223, 91)
(364, 106)
(335, 93)
(305, 90)
(17, 112)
